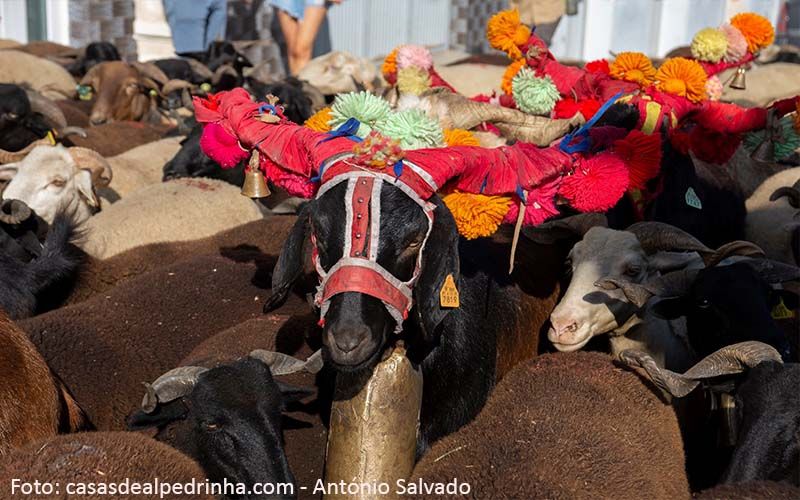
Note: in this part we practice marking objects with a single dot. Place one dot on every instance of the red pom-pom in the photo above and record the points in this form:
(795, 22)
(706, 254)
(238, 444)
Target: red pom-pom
(680, 141)
(598, 66)
(713, 147)
(597, 184)
(642, 155)
(221, 146)
(569, 107)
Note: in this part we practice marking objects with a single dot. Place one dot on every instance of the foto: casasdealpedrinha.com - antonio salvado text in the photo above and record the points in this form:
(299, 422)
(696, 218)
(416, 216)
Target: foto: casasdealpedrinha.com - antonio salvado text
(399, 487)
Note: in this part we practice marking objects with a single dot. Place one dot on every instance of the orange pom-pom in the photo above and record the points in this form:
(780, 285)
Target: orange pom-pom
(389, 66)
(797, 116)
(683, 77)
(477, 215)
(642, 155)
(757, 30)
(510, 73)
(320, 121)
(633, 67)
(460, 137)
(506, 32)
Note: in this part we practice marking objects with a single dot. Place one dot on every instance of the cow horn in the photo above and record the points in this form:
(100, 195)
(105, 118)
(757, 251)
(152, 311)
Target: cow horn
(673, 284)
(729, 360)
(773, 271)
(283, 364)
(551, 231)
(14, 212)
(92, 161)
(173, 85)
(170, 386)
(14, 156)
(742, 248)
(792, 193)
(150, 70)
(658, 236)
(48, 109)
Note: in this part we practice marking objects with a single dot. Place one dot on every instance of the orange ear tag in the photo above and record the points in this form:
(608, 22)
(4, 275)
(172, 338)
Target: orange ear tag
(448, 295)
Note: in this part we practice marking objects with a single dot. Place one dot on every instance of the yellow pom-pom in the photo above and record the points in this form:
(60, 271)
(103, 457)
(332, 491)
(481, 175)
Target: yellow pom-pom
(389, 66)
(506, 32)
(683, 77)
(757, 30)
(510, 73)
(633, 67)
(477, 215)
(319, 121)
(413, 80)
(460, 137)
(710, 45)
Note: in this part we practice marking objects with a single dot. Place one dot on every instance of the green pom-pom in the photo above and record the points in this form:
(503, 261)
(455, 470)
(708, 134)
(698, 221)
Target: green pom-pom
(363, 106)
(534, 95)
(413, 129)
(785, 144)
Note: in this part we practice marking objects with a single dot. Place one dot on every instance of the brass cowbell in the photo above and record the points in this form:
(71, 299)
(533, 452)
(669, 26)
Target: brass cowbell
(739, 80)
(255, 185)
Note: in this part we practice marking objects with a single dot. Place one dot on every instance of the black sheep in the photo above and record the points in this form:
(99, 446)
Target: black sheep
(19, 125)
(190, 161)
(94, 54)
(296, 104)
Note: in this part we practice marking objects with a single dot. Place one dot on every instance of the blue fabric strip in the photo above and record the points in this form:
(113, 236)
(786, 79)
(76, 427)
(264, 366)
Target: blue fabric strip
(347, 129)
(583, 132)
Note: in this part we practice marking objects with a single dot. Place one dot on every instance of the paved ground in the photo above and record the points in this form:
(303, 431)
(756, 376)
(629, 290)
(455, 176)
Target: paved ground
(468, 79)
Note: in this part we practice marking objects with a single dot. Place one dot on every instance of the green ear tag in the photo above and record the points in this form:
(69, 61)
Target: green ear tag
(205, 87)
(693, 200)
(153, 93)
(84, 92)
(780, 311)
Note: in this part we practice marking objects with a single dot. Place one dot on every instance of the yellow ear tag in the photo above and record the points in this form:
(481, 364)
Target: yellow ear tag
(51, 138)
(448, 295)
(780, 311)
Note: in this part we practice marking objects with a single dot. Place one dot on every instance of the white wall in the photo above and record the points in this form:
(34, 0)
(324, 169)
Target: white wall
(13, 20)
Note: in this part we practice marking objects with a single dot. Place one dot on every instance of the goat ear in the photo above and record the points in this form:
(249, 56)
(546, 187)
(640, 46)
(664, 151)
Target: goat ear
(163, 415)
(670, 308)
(8, 171)
(290, 262)
(665, 262)
(439, 260)
(83, 181)
(293, 393)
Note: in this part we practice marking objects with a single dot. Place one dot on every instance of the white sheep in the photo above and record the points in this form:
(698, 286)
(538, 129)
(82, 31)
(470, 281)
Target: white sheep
(139, 167)
(39, 74)
(773, 216)
(52, 178)
(179, 210)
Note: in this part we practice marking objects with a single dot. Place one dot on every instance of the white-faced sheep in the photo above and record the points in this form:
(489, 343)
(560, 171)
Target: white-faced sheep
(43, 76)
(773, 216)
(180, 210)
(564, 426)
(56, 178)
(339, 72)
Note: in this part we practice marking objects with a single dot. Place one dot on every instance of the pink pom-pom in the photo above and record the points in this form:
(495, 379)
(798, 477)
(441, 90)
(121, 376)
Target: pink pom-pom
(597, 183)
(221, 146)
(414, 56)
(540, 205)
(294, 184)
(737, 43)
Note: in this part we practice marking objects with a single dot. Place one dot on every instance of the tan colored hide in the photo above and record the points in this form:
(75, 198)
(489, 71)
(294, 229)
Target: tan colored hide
(373, 434)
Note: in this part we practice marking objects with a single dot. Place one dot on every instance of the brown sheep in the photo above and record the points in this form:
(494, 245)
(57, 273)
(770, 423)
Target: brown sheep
(75, 112)
(105, 347)
(124, 91)
(111, 139)
(35, 405)
(565, 426)
(99, 458)
(756, 490)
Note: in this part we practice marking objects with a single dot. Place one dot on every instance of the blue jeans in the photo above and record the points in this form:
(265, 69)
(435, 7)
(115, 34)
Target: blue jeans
(195, 23)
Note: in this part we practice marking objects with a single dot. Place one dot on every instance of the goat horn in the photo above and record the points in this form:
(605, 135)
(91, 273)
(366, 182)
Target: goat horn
(14, 212)
(225, 69)
(92, 161)
(656, 236)
(151, 71)
(283, 364)
(773, 271)
(673, 284)
(199, 69)
(792, 193)
(14, 156)
(68, 131)
(743, 248)
(173, 85)
(729, 360)
(48, 109)
(170, 386)
(574, 225)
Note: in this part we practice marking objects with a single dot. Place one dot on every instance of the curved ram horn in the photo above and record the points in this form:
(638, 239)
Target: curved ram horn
(14, 156)
(673, 284)
(92, 161)
(225, 69)
(170, 386)
(14, 212)
(283, 364)
(574, 225)
(173, 85)
(658, 236)
(729, 360)
(741, 248)
(199, 68)
(773, 271)
(150, 70)
(791, 193)
(47, 108)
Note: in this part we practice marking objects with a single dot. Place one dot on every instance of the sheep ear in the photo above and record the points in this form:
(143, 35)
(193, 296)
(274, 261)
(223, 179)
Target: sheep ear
(670, 308)
(292, 393)
(290, 262)
(8, 171)
(665, 262)
(83, 180)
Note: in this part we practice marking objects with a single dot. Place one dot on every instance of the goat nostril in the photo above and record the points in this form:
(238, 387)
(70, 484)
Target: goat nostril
(572, 327)
(348, 343)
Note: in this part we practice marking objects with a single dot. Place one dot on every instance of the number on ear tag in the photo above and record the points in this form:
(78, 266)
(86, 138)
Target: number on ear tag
(448, 295)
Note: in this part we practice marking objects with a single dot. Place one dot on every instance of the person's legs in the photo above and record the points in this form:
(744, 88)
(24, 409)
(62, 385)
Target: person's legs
(307, 32)
(187, 24)
(217, 21)
(289, 27)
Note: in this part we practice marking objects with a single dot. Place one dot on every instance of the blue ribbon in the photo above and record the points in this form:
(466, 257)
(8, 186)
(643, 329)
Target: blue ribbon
(583, 132)
(347, 129)
(398, 168)
(267, 107)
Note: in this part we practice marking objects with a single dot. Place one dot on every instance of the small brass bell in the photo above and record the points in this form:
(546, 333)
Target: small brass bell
(255, 185)
(739, 81)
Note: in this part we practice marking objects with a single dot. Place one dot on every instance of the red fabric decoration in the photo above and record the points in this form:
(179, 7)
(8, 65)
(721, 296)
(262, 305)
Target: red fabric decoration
(438, 81)
(730, 118)
(598, 66)
(597, 184)
(642, 155)
(569, 107)
(539, 205)
(712, 69)
(679, 139)
(711, 146)
(221, 146)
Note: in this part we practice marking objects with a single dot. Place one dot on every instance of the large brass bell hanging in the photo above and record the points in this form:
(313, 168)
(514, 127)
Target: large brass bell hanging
(739, 81)
(255, 185)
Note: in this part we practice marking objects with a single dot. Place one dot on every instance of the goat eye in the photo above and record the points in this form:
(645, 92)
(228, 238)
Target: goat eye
(633, 271)
(703, 304)
(58, 182)
(211, 426)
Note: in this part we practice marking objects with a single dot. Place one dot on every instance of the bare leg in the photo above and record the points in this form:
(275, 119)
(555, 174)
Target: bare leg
(307, 33)
(290, 28)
